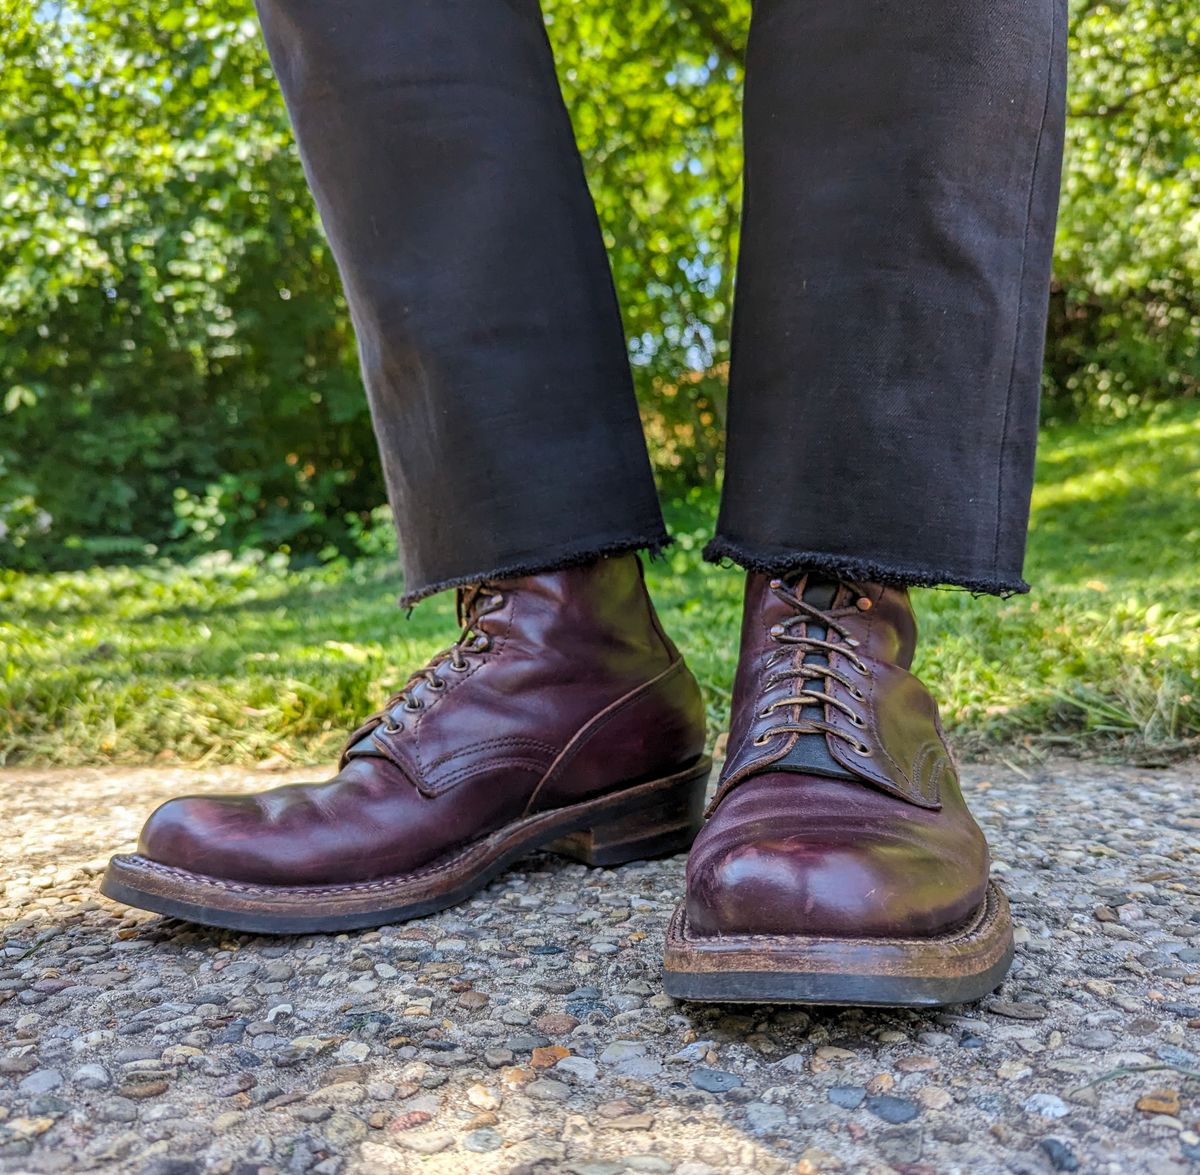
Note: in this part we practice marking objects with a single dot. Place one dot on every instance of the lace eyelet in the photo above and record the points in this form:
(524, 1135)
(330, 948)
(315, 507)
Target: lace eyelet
(412, 707)
(861, 749)
(482, 643)
(856, 720)
(762, 740)
(392, 727)
(857, 694)
(436, 683)
(460, 667)
(767, 711)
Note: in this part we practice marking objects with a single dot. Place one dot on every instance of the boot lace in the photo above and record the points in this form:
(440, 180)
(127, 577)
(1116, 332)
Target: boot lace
(472, 603)
(837, 639)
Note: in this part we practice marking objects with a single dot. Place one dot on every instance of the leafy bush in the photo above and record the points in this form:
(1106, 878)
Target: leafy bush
(177, 370)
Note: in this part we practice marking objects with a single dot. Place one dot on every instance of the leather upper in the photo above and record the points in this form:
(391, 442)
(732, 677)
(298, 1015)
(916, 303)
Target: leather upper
(563, 687)
(842, 815)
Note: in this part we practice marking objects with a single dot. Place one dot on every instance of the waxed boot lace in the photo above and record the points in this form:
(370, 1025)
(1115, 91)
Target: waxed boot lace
(472, 603)
(837, 639)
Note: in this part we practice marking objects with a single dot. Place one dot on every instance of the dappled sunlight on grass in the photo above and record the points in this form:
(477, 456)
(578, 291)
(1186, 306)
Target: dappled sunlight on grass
(238, 659)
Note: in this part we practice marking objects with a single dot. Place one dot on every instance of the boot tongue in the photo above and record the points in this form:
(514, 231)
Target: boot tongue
(810, 754)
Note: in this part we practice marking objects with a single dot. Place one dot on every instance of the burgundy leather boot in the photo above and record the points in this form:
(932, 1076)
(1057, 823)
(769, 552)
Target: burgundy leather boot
(562, 717)
(839, 863)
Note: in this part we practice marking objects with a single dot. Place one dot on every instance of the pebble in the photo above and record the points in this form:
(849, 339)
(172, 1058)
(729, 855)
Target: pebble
(1046, 1105)
(892, 1109)
(849, 1097)
(547, 1089)
(483, 1140)
(40, 1081)
(764, 1118)
(715, 1080)
(526, 1029)
(1061, 1157)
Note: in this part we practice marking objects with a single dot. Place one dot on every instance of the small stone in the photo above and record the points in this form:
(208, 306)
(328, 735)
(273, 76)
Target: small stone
(28, 1127)
(143, 1089)
(498, 1058)
(895, 1110)
(313, 1113)
(848, 1097)
(581, 1068)
(830, 1053)
(516, 1078)
(1061, 1157)
(632, 1122)
(425, 1142)
(91, 1077)
(918, 1064)
(616, 1109)
(117, 1109)
(651, 1164)
(548, 1056)
(41, 1081)
(483, 1098)
(555, 1024)
(1046, 1105)
(933, 1097)
(1097, 1038)
(1013, 1070)
(354, 1050)
(483, 1140)
(715, 1080)
(1159, 1101)
(764, 1118)
(344, 1129)
(814, 1161)
(548, 1090)
(622, 1050)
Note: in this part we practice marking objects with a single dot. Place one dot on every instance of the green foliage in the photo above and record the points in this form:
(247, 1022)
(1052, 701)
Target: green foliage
(177, 369)
(1125, 313)
(177, 365)
(242, 659)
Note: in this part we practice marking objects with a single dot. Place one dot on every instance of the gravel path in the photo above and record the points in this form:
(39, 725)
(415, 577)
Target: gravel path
(527, 1032)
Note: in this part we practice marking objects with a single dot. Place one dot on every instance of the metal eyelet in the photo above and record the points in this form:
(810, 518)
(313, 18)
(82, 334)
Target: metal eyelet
(461, 667)
(857, 694)
(762, 740)
(436, 683)
(767, 711)
(482, 643)
(861, 749)
(413, 707)
(855, 720)
(392, 727)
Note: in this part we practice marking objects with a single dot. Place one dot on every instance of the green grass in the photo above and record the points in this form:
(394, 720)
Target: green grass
(238, 659)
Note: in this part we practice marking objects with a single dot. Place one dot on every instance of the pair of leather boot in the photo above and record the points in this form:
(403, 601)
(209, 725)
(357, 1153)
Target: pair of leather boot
(837, 861)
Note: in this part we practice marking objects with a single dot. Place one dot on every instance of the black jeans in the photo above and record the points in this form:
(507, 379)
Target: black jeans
(902, 172)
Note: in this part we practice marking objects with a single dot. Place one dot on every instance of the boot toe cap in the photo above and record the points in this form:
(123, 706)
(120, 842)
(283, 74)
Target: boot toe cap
(796, 873)
(201, 834)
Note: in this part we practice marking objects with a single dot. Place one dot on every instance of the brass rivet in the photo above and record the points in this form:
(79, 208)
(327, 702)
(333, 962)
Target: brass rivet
(864, 605)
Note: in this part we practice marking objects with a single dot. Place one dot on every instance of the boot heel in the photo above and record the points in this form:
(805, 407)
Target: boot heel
(665, 823)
